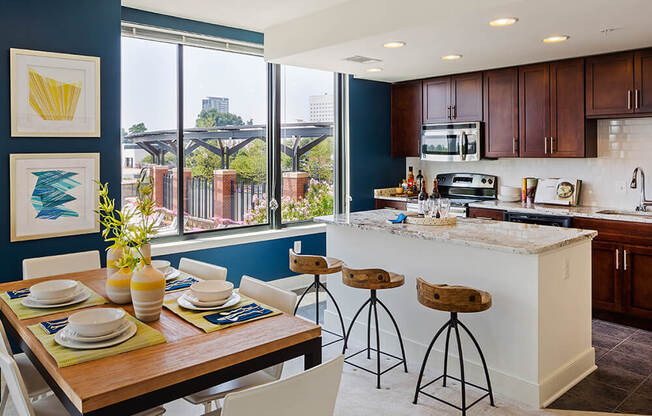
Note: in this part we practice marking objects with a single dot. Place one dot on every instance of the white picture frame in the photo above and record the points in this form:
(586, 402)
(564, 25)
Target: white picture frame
(62, 203)
(54, 94)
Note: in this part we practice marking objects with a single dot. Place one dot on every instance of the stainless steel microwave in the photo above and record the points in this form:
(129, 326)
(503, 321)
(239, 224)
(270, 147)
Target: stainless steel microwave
(451, 142)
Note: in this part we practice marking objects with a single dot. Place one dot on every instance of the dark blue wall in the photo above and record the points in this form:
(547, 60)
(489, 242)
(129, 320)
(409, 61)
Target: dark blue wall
(265, 260)
(371, 165)
(69, 26)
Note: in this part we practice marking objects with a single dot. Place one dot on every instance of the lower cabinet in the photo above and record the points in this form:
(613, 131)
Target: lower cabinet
(637, 273)
(607, 279)
(386, 203)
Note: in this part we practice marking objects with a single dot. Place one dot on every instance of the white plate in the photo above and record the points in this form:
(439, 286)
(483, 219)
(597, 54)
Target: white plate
(509, 198)
(186, 304)
(189, 296)
(61, 339)
(69, 333)
(56, 301)
(173, 274)
(31, 303)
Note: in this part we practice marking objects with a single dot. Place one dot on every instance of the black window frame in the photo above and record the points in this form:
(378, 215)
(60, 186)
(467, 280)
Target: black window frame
(274, 167)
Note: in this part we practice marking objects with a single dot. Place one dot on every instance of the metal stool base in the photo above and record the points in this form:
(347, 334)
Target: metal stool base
(373, 301)
(316, 285)
(452, 324)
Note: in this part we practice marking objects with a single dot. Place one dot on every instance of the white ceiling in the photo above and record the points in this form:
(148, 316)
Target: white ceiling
(321, 33)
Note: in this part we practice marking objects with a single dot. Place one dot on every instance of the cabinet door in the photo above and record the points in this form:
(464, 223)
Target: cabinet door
(436, 100)
(466, 97)
(610, 84)
(501, 113)
(607, 276)
(406, 119)
(567, 133)
(643, 81)
(637, 267)
(534, 110)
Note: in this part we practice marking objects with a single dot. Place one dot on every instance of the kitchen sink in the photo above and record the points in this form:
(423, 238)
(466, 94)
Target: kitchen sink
(630, 213)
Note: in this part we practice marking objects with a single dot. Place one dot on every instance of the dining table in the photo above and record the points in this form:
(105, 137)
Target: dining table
(189, 361)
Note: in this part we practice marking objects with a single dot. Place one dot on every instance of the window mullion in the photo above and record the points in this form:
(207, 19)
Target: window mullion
(180, 158)
(274, 143)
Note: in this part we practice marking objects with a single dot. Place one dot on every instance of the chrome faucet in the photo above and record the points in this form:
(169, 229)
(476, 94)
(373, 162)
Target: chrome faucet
(644, 203)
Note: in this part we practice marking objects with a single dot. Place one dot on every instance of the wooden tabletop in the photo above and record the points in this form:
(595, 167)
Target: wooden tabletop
(188, 353)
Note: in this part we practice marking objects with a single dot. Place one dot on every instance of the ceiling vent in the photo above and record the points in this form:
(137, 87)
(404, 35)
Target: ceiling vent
(362, 59)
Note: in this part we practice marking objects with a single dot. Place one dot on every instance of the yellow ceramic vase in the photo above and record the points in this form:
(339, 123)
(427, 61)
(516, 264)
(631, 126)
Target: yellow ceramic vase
(147, 289)
(112, 257)
(117, 286)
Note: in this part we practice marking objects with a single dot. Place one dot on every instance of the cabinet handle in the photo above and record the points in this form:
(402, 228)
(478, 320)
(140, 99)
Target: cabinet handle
(514, 143)
(636, 93)
(455, 111)
(545, 145)
(449, 112)
(629, 99)
(552, 145)
(617, 265)
(624, 259)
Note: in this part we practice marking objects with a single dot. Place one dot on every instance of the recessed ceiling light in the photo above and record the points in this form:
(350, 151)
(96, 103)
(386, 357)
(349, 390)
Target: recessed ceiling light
(451, 57)
(373, 69)
(394, 44)
(556, 38)
(504, 21)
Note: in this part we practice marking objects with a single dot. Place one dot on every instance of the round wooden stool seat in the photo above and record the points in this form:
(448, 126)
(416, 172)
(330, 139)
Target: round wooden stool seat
(371, 278)
(452, 298)
(309, 264)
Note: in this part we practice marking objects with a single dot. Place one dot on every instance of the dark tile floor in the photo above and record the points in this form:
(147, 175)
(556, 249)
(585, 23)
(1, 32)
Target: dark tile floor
(623, 381)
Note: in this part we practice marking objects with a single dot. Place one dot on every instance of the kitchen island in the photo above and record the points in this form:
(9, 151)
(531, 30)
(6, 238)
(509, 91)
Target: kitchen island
(537, 335)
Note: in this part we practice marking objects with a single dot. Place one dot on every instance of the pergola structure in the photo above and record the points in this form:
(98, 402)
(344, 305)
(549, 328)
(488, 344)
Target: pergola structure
(231, 139)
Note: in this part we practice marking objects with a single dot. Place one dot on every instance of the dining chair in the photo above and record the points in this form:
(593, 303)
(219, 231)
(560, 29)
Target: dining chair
(60, 264)
(46, 406)
(271, 296)
(35, 385)
(205, 271)
(312, 392)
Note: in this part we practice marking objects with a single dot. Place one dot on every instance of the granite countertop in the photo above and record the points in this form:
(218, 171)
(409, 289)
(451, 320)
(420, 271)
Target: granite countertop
(585, 212)
(473, 232)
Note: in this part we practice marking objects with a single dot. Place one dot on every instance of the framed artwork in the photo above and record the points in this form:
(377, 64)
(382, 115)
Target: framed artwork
(54, 94)
(53, 194)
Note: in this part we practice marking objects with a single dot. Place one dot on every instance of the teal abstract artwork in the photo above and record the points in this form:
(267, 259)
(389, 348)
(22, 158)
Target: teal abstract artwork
(51, 193)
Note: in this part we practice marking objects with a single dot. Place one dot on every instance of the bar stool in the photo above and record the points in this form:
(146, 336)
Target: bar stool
(373, 279)
(453, 299)
(317, 265)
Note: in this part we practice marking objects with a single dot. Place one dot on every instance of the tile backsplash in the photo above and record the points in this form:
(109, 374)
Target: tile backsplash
(623, 144)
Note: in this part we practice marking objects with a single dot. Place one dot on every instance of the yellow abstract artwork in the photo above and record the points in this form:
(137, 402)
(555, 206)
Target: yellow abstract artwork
(52, 99)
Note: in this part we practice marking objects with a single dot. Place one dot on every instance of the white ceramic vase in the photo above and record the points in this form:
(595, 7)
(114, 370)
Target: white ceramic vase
(147, 288)
(118, 286)
(112, 257)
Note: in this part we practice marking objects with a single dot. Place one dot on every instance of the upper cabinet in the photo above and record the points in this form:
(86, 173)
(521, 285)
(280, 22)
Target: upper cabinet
(501, 113)
(643, 81)
(534, 110)
(453, 99)
(406, 119)
(610, 84)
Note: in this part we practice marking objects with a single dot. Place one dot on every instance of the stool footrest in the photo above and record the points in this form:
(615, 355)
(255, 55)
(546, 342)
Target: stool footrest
(400, 361)
(339, 337)
(451, 404)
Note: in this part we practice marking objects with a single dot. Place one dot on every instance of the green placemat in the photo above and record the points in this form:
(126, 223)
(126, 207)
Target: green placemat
(146, 336)
(197, 317)
(23, 312)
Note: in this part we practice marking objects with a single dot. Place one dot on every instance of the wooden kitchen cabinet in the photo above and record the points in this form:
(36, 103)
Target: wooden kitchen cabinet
(637, 272)
(606, 258)
(455, 98)
(486, 213)
(534, 110)
(405, 119)
(501, 113)
(387, 203)
(610, 84)
(643, 81)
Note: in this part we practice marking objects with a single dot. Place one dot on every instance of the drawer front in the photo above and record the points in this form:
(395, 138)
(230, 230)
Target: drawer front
(384, 203)
(486, 213)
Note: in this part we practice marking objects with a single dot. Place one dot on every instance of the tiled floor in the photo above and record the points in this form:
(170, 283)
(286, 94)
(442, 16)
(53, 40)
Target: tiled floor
(623, 381)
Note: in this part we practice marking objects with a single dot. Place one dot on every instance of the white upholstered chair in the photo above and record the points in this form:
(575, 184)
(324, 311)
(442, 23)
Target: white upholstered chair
(269, 295)
(63, 263)
(202, 270)
(313, 392)
(34, 384)
(47, 406)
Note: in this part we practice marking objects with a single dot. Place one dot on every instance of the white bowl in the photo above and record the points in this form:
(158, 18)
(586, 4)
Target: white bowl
(211, 290)
(53, 289)
(510, 191)
(161, 265)
(96, 322)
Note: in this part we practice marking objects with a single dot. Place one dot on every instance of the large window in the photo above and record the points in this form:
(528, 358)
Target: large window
(229, 165)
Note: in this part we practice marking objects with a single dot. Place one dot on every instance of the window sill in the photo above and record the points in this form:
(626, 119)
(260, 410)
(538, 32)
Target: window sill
(162, 249)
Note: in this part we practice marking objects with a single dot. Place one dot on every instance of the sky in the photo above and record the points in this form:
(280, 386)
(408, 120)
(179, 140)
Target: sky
(149, 78)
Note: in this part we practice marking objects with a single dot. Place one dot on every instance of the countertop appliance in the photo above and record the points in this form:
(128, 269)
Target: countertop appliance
(540, 219)
(462, 189)
(451, 142)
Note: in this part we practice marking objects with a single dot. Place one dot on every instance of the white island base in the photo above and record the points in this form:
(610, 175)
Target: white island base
(536, 337)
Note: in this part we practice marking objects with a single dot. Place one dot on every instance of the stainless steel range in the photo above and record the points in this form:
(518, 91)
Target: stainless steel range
(464, 188)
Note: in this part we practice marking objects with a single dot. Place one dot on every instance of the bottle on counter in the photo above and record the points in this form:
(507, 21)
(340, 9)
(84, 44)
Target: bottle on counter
(419, 181)
(410, 179)
(404, 185)
(435, 190)
(423, 200)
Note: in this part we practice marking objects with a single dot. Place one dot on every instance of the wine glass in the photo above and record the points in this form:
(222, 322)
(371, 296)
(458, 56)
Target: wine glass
(444, 207)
